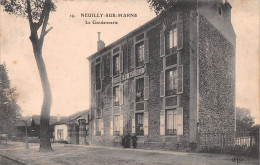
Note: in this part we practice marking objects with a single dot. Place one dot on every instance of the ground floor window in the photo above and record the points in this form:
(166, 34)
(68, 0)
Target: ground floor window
(171, 122)
(116, 126)
(139, 118)
(60, 134)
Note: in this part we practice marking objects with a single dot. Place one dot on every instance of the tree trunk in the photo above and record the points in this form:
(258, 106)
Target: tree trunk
(45, 144)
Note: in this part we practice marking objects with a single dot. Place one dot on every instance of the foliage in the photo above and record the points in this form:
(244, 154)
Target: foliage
(37, 12)
(8, 106)
(19, 7)
(162, 6)
(244, 120)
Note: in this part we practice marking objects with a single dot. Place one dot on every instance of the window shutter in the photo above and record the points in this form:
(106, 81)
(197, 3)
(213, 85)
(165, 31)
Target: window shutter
(146, 127)
(121, 56)
(180, 34)
(162, 84)
(94, 127)
(146, 87)
(112, 96)
(132, 57)
(180, 121)
(111, 125)
(102, 70)
(133, 125)
(102, 126)
(121, 94)
(162, 44)
(121, 124)
(180, 79)
(97, 101)
(111, 66)
(133, 91)
(94, 74)
(162, 122)
(164, 62)
(146, 50)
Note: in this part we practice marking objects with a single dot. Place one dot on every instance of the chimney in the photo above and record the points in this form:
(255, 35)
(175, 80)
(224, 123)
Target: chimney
(100, 43)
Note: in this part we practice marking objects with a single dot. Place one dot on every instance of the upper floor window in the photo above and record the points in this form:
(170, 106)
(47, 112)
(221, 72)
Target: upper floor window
(139, 54)
(171, 40)
(116, 95)
(140, 90)
(116, 64)
(98, 76)
(171, 79)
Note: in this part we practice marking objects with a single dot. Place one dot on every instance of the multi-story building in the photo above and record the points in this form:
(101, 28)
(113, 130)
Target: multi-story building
(171, 81)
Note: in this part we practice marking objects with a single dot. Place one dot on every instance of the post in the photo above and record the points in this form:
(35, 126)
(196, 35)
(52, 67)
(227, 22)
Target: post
(26, 134)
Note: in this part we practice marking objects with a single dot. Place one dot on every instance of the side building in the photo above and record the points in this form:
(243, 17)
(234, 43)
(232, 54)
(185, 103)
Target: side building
(72, 129)
(170, 81)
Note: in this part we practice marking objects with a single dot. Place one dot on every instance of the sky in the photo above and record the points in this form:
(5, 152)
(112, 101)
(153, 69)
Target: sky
(71, 41)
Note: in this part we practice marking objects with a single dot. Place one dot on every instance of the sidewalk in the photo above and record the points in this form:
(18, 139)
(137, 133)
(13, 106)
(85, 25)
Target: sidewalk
(79, 154)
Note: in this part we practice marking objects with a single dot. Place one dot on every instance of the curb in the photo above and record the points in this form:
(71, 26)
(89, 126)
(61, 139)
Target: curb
(12, 159)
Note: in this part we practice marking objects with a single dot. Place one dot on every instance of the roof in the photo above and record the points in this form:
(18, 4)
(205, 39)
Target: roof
(71, 117)
(36, 118)
(130, 34)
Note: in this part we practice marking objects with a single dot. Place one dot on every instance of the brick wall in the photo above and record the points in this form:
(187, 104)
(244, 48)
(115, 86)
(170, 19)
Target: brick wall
(216, 86)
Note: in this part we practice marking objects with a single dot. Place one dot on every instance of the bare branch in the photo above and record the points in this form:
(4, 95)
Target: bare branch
(47, 31)
(40, 22)
(46, 13)
(29, 14)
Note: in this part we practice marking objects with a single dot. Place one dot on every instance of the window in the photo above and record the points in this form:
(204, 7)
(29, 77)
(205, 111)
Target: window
(171, 40)
(171, 122)
(60, 134)
(139, 51)
(99, 126)
(98, 76)
(116, 126)
(139, 118)
(116, 65)
(116, 95)
(171, 79)
(140, 90)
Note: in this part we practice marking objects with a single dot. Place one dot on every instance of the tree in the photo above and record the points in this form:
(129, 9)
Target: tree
(244, 120)
(162, 6)
(37, 12)
(8, 106)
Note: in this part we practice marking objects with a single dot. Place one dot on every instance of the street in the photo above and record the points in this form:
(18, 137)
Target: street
(6, 161)
(76, 154)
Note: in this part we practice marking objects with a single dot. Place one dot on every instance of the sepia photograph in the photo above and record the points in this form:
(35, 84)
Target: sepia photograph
(129, 82)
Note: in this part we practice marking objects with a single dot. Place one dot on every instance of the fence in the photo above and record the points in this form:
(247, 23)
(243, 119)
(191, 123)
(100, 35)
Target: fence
(227, 142)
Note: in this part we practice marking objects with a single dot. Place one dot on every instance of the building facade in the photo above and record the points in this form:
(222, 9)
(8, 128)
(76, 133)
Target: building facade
(171, 81)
